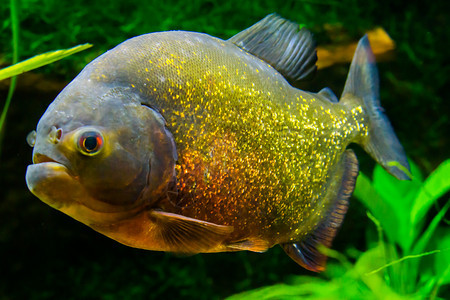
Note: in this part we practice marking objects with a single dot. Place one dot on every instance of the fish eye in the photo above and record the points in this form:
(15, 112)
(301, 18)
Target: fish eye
(90, 142)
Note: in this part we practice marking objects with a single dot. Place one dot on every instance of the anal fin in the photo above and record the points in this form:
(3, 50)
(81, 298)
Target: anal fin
(306, 252)
(251, 244)
(187, 235)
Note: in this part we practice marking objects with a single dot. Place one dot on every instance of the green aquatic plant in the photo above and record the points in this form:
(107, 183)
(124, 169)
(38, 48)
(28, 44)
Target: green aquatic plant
(409, 257)
(402, 207)
(39, 61)
(15, 58)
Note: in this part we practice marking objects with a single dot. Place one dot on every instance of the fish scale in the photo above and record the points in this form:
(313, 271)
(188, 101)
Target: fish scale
(250, 130)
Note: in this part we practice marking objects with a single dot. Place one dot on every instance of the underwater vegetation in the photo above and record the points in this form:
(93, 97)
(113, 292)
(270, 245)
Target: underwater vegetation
(398, 249)
(408, 259)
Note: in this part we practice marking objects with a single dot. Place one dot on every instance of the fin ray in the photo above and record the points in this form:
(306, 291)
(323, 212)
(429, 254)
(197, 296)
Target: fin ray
(252, 244)
(187, 235)
(306, 252)
(282, 44)
(363, 83)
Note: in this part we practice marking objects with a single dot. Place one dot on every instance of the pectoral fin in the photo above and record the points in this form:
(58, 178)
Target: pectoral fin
(186, 235)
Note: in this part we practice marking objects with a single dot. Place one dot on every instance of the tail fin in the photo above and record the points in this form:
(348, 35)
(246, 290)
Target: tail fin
(382, 143)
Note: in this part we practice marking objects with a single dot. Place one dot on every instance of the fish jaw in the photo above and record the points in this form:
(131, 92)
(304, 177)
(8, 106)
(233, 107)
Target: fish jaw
(52, 183)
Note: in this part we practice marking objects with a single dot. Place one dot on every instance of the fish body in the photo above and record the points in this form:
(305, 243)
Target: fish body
(179, 141)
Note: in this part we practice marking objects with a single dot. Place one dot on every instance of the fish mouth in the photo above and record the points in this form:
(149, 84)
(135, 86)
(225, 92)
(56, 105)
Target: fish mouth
(46, 178)
(56, 185)
(42, 161)
(41, 158)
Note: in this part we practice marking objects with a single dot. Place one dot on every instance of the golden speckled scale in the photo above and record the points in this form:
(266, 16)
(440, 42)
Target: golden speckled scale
(253, 152)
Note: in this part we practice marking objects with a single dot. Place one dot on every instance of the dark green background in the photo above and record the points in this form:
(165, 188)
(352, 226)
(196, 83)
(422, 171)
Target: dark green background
(45, 254)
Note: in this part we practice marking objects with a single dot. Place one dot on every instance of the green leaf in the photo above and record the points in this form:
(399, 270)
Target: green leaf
(424, 240)
(306, 285)
(435, 269)
(39, 61)
(442, 261)
(426, 236)
(436, 185)
(355, 283)
(371, 260)
(400, 195)
(382, 209)
(397, 192)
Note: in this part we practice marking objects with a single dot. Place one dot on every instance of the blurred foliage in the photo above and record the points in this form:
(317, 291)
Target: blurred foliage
(396, 265)
(46, 255)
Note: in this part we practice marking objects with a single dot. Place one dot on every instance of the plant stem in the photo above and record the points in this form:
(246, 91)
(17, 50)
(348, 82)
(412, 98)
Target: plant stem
(15, 45)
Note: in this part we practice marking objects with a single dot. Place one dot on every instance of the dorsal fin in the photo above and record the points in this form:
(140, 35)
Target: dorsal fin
(281, 43)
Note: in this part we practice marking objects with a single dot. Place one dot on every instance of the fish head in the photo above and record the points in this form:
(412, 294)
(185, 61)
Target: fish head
(93, 153)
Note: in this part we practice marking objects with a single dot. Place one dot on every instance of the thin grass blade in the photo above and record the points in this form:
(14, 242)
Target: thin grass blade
(39, 61)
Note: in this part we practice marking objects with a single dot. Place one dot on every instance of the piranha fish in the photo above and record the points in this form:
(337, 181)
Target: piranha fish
(182, 142)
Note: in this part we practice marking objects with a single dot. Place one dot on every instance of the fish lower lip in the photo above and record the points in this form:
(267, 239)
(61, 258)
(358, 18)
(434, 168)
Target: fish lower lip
(43, 172)
(49, 181)
(50, 167)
